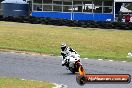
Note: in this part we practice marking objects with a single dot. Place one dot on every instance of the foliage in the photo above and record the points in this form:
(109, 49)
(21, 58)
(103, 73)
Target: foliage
(89, 42)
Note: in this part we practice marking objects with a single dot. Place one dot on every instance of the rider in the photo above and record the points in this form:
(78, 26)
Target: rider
(66, 51)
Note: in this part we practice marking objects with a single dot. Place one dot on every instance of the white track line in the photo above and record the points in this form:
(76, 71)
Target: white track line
(12, 52)
(60, 86)
(59, 56)
(85, 58)
(124, 61)
(43, 55)
(100, 59)
(33, 54)
(111, 60)
(23, 79)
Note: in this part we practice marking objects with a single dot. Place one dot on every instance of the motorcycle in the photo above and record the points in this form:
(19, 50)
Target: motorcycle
(73, 62)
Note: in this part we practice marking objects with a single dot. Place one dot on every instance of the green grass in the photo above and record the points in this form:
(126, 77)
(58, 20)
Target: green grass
(89, 42)
(17, 83)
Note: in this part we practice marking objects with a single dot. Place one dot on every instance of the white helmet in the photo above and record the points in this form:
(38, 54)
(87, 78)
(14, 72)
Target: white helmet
(63, 46)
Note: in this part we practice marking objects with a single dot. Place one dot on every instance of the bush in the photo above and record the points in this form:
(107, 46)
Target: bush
(34, 20)
(71, 23)
(108, 25)
(19, 19)
(1, 18)
(9, 18)
(130, 26)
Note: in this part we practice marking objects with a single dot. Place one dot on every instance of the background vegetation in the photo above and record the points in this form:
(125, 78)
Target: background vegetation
(89, 42)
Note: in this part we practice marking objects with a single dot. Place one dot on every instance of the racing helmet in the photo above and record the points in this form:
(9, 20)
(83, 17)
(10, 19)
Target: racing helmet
(63, 46)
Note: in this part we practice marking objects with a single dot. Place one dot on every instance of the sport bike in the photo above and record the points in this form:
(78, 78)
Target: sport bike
(73, 62)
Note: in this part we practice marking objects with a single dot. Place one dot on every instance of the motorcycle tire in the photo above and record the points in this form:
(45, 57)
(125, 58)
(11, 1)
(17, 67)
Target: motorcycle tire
(81, 80)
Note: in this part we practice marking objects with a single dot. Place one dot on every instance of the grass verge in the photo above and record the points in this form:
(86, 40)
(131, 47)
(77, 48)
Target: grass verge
(89, 42)
(17, 83)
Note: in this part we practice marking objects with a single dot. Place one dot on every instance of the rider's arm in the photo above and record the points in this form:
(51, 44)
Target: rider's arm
(63, 54)
(71, 50)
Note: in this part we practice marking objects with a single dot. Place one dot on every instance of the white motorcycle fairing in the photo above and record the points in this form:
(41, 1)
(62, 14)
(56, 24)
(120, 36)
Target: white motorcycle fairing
(73, 62)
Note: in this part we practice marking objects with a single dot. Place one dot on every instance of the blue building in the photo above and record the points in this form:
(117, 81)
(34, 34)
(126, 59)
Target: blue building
(98, 10)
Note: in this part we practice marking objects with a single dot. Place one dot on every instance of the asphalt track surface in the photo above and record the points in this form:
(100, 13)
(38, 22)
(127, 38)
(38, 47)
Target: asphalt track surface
(48, 68)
